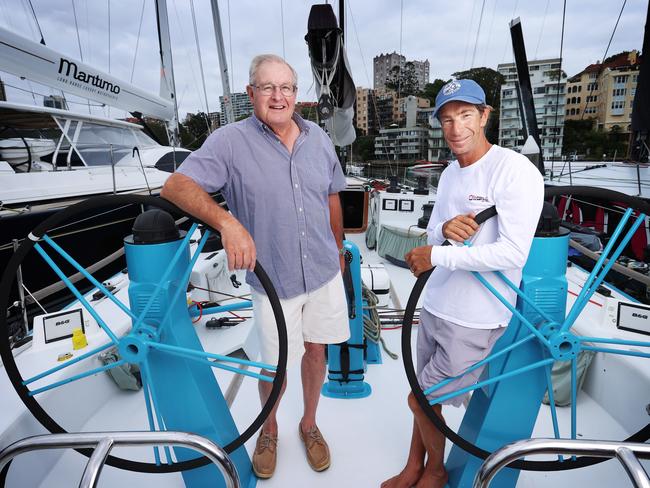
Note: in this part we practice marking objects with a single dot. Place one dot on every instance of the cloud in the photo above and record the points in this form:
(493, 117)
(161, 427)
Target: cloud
(447, 34)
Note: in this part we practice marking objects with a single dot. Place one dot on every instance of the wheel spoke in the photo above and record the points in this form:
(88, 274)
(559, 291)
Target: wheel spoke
(147, 402)
(67, 363)
(482, 362)
(88, 276)
(610, 244)
(514, 311)
(595, 279)
(165, 276)
(202, 357)
(490, 381)
(77, 377)
(574, 400)
(622, 352)
(620, 342)
(185, 278)
(211, 355)
(76, 292)
(144, 365)
(551, 403)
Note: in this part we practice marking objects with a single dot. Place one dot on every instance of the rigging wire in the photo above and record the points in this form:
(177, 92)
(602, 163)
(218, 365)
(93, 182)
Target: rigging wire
(232, 68)
(401, 67)
(198, 52)
(25, 11)
(137, 41)
(187, 56)
(478, 32)
(109, 46)
(38, 26)
(81, 54)
(371, 93)
(541, 31)
(489, 39)
(505, 47)
(556, 136)
(471, 21)
(592, 85)
(282, 24)
(88, 43)
(43, 95)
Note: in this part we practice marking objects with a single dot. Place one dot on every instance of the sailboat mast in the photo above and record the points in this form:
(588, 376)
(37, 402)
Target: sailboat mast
(167, 83)
(225, 82)
(639, 147)
(524, 88)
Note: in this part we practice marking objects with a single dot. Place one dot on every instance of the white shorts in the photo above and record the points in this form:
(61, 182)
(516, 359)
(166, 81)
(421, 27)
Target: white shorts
(320, 316)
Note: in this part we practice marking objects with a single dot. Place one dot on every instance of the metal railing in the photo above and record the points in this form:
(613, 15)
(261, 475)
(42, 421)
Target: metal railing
(628, 453)
(103, 442)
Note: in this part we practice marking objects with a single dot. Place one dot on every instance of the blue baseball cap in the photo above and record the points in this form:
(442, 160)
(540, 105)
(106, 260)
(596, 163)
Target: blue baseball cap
(459, 91)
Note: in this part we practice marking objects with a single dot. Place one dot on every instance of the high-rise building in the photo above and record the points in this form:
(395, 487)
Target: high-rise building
(376, 109)
(548, 85)
(605, 92)
(241, 106)
(421, 72)
(416, 140)
(215, 120)
(384, 63)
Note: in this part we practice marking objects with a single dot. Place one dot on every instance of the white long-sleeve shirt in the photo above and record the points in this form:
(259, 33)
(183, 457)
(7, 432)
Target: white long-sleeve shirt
(511, 182)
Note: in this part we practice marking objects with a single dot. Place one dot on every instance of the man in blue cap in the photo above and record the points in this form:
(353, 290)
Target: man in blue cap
(460, 320)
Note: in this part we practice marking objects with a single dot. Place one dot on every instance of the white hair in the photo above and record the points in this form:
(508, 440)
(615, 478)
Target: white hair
(268, 58)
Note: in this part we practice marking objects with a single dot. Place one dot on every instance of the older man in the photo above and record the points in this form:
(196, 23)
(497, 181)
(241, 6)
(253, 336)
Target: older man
(461, 320)
(280, 177)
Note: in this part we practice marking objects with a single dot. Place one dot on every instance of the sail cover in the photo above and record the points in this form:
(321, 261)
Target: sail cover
(36, 62)
(334, 85)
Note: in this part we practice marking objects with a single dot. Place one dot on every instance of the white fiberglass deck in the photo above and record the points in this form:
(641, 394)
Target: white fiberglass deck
(368, 437)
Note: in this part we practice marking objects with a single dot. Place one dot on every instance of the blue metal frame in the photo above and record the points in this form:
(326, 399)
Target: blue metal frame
(355, 386)
(507, 411)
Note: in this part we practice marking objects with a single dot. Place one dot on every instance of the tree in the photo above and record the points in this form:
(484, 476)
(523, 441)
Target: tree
(364, 147)
(404, 81)
(581, 137)
(576, 135)
(194, 130)
(489, 79)
(159, 130)
(431, 90)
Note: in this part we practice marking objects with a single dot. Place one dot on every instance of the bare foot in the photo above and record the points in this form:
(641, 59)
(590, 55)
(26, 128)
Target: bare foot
(428, 480)
(406, 479)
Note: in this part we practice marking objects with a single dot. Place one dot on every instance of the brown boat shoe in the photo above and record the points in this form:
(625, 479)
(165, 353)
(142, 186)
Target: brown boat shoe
(265, 455)
(318, 453)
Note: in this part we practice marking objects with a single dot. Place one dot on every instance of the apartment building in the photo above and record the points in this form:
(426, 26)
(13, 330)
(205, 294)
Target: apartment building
(241, 106)
(605, 92)
(384, 63)
(548, 84)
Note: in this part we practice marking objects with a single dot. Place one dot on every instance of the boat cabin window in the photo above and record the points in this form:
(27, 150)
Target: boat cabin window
(93, 144)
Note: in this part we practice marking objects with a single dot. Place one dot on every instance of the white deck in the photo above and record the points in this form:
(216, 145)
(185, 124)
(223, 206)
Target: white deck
(369, 438)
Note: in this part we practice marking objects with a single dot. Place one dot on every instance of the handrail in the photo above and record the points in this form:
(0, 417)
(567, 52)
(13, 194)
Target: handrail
(626, 452)
(103, 442)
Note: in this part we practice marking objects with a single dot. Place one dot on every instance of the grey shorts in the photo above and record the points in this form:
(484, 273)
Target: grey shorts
(446, 349)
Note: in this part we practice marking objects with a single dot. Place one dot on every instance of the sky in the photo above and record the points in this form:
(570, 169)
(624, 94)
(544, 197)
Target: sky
(453, 36)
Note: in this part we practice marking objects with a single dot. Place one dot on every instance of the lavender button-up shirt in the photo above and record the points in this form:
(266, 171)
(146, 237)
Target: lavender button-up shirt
(280, 197)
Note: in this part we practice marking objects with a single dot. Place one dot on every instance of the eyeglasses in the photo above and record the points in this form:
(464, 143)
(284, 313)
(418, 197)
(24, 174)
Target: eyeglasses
(269, 88)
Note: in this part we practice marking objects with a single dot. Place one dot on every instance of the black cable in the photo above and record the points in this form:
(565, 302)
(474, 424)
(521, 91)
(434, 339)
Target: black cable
(642, 435)
(6, 285)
